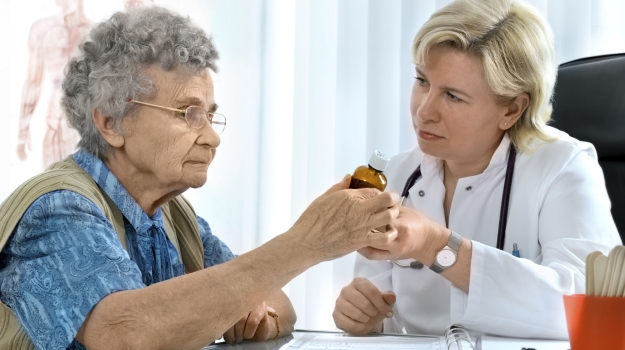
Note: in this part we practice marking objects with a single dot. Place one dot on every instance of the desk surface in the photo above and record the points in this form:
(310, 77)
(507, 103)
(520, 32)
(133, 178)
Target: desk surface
(418, 342)
(497, 343)
(319, 340)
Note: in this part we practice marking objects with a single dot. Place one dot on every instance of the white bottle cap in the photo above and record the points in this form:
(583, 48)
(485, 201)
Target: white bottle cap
(378, 161)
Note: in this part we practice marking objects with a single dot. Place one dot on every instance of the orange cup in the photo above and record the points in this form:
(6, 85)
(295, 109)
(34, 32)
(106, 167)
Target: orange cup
(595, 322)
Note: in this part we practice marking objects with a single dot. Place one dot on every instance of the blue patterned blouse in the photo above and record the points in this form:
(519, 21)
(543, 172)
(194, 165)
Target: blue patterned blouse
(64, 257)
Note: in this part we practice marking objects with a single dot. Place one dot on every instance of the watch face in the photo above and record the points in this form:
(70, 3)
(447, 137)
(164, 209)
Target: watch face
(445, 258)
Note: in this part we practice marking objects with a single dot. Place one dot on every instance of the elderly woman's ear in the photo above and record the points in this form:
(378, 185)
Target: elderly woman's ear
(514, 111)
(106, 126)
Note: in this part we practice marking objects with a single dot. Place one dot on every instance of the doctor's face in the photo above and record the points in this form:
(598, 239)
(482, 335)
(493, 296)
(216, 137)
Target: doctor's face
(454, 113)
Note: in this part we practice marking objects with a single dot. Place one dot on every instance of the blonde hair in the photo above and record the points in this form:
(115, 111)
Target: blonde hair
(515, 46)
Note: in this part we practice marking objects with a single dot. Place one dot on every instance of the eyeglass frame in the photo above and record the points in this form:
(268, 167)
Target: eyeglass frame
(210, 121)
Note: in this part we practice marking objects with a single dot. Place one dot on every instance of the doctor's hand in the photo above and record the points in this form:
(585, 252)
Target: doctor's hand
(361, 307)
(341, 220)
(418, 238)
(257, 326)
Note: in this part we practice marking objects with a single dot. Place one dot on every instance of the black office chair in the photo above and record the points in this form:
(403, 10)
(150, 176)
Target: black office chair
(589, 104)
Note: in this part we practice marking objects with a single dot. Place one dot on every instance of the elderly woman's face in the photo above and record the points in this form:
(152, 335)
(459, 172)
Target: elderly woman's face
(160, 143)
(454, 113)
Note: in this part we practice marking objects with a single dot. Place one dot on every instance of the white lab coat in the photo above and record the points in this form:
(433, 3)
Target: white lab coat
(559, 212)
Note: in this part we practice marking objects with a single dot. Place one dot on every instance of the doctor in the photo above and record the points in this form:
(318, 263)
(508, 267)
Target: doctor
(485, 72)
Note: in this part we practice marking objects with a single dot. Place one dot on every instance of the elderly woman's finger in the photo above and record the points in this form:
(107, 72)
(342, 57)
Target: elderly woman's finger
(251, 326)
(380, 201)
(229, 336)
(254, 319)
(383, 218)
(239, 328)
(341, 185)
(377, 238)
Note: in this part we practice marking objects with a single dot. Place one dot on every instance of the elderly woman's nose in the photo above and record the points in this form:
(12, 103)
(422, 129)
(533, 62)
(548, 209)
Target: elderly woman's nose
(208, 136)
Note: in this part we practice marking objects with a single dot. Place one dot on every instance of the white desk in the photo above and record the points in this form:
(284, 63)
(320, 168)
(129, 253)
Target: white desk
(482, 343)
(497, 343)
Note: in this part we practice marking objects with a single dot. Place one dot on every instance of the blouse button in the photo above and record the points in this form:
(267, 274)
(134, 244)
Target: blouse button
(469, 188)
(421, 193)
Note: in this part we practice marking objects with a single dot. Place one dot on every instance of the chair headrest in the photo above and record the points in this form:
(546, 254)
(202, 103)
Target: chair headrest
(589, 102)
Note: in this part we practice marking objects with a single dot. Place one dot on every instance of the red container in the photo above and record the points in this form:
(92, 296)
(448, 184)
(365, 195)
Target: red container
(595, 322)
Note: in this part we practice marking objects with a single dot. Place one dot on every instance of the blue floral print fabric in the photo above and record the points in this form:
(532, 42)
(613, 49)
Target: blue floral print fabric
(64, 257)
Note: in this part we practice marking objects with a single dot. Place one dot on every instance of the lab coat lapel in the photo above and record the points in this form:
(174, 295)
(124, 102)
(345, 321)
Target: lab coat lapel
(428, 193)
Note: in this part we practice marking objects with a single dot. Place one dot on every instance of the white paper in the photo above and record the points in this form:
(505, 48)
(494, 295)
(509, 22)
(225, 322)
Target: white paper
(345, 342)
(500, 343)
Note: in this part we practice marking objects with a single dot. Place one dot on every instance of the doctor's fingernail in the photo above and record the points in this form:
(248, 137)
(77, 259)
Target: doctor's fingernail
(389, 315)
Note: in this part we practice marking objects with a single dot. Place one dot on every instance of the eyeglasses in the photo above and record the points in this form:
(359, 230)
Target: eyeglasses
(195, 116)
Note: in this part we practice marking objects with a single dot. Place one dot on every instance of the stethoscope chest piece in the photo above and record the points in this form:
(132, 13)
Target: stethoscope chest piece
(413, 264)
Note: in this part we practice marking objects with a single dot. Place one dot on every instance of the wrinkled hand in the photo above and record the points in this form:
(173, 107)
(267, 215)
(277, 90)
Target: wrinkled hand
(340, 221)
(257, 326)
(417, 236)
(361, 306)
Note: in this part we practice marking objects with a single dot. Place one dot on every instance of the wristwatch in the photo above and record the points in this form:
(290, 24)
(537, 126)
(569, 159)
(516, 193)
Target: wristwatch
(446, 257)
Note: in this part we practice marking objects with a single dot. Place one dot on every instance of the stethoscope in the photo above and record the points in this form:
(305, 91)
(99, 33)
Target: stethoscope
(503, 214)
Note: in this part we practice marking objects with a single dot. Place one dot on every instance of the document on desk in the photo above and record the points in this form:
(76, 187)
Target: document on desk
(318, 340)
(500, 343)
(311, 341)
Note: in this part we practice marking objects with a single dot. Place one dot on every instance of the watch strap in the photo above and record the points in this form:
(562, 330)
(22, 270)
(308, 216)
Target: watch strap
(437, 268)
(454, 242)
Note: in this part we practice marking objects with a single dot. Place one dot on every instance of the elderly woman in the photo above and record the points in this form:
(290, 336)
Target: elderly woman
(96, 248)
(485, 72)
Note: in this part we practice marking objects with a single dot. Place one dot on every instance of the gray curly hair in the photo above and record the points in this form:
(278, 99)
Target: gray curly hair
(109, 69)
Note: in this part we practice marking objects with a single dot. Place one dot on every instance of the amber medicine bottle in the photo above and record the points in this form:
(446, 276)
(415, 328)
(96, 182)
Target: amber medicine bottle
(371, 176)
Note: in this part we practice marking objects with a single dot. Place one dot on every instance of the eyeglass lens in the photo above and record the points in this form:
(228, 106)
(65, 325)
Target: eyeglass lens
(197, 116)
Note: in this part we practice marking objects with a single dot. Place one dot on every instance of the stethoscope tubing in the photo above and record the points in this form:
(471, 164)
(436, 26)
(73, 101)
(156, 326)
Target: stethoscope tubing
(503, 213)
